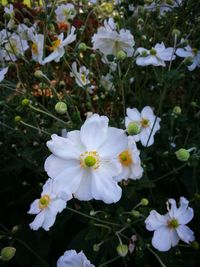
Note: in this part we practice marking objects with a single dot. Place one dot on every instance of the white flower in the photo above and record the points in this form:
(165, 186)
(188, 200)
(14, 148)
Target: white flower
(164, 6)
(81, 76)
(10, 10)
(107, 82)
(72, 258)
(188, 51)
(171, 227)
(37, 47)
(15, 47)
(156, 56)
(58, 46)
(47, 207)
(84, 163)
(65, 12)
(26, 32)
(146, 124)
(110, 42)
(130, 161)
(3, 73)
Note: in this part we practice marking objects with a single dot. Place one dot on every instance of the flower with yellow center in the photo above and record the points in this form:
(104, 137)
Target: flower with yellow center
(44, 201)
(37, 47)
(85, 162)
(65, 12)
(189, 52)
(171, 227)
(34, 48)
(81, 75)
(125, 158)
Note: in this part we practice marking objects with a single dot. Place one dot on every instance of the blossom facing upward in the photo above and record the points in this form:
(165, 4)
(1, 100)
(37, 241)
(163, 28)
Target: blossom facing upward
(110, 42)
(155, 56)
(130, 161)
(65, 12)
(72, 258)
(81, 76)
(58, 46)
(146, 122)
(3, 73)
(85, 162)
(171, 227)
(189, 52)
(47, 207)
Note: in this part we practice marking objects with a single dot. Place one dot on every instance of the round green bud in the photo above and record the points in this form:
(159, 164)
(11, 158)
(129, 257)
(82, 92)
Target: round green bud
(121, 55)
(144, 202)
(15, 229)
(62, 84)
(177, 110)
(122, 250)
(188, 61)
(133, 128)
(195, 245)
(176, 32)
(96, 247)
(82, 47)
(140, 21)
(38, 74)
(7, 253)
(7, 16)
(92, 56)
(18, 118)
(61, 108)
(135, 213)
(51, 27)
(182, 154)
(143, 37)
(144, 54)
(92, 213)
(25, 102)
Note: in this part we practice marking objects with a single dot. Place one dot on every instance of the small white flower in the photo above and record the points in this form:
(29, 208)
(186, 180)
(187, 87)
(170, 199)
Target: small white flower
(72, 258)
(110, 42)
(37, 47)
(156, 56)
(47, 207)
(65, 12)
(26, 32)
(10, 10)
(107, 82)
(15, 47)
(84, 164)
(58, 46)
(188, 51)
(146, 124)
(171, 227)
(130, 161)
(3, 73)
(81, 76)
(163, 6)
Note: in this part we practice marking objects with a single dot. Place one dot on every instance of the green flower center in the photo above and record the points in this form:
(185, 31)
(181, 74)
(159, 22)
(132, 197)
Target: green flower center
(153, 52)
(90, 161)
(44, 201)
(144, 123)
(173, 224)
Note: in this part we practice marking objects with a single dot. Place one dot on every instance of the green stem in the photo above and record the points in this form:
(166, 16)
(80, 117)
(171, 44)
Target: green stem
(33, 127)
(105, 263)
(157, 257)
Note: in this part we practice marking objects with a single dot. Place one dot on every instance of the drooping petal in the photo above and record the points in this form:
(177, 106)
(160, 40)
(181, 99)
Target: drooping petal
(185, 233)
(34, 208)
(184, 214)
(49, 219)
(155, 220)
(162, 239)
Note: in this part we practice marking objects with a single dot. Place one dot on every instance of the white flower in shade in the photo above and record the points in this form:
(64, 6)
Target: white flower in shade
(81, 76)
(84, 164)
(47, 207)
(110, 42)
(10, 10)
(190, 52)
(146, 122)
(58, 46)
(171, 227)
(156, 56)
(163, 6)
(107, 82)
(65, 12)
(72, 258)
(3, 73)
(130, 161)
(15, 47)
(26, 32)
(37, 47)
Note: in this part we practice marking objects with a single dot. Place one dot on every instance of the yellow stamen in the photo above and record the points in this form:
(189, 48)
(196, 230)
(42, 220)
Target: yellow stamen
(44, 201)
(144, 123)
(34, 48)
(90, 160)
(125, 158)
(173, 224)
(55, 45)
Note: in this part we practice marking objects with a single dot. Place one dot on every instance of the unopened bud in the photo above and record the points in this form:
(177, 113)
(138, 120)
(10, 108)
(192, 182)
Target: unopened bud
(25, 102)
(188, 61)
(135, 213)
(82, 47)
(176, 32)
(18, 118)
(144, 202)
(182, 154)
(7, 16)
(61, 107)
(177, 110)
(122, 250)
(38, 74)
(62, 84)
(7, 253)
(96, 247)
(133, 128)
(121, 55)
(195, 245)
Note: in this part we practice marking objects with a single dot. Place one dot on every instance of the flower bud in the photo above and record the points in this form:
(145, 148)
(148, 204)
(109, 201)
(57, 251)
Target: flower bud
(62, 84)
(7, 253)
(82, 47)
(176, 32)
(133, 128)
(177, 110)
(61, 107)
(188, 61)
(38, 74)
(18, 118)
(122, 250)
(144, 202)
(182, 154)
(135, 213)
(7, 16)
(195, 245)
(25, 102)
(96, 247)
(121, 55)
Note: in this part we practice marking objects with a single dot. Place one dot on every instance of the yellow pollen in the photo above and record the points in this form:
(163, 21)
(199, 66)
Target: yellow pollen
(144, 123)
(90, 160)
(125, 158)
(55, 45)
(173, 224)
(83, 78)
(34, 48)
(44, 201)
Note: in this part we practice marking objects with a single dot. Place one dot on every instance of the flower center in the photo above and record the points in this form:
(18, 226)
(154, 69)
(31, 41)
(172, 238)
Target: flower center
(173, 224)
(55, 45)
(44, 201)
(125, 158)
(34, 48)
(83, 78)
(144, 123)
(90, 160)
(153, 52)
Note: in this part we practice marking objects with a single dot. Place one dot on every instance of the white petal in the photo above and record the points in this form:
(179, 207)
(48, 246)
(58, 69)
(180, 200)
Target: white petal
(147, 113)
(184, 214)
(84, 190)
(54, 165)
(124, 175)
(57, 206)
(161, 239)
(48, 220)
(38, 221)
(174, 237)
(185, 233)
(133, 114)
(145, 137)
(34, 208)
(155, 220)
(183, 53)
(136, 172)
